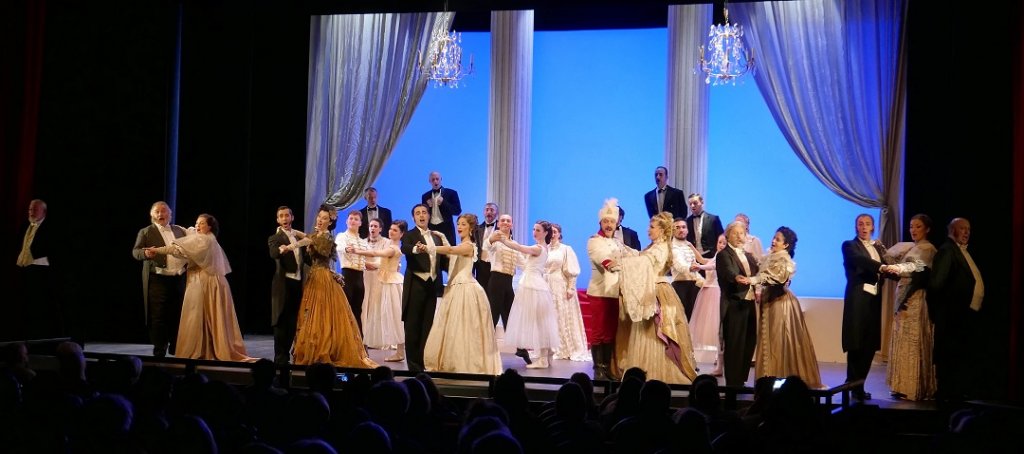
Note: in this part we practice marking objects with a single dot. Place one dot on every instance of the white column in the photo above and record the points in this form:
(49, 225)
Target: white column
(508, 133)
(686, 128)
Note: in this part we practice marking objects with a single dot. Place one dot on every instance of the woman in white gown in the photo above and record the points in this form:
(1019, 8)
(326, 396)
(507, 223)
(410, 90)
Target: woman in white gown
(382, 325)
(209, 326)
(462, 337)
(532, 323)
(659, 336)
(706, 321)
(562, 268)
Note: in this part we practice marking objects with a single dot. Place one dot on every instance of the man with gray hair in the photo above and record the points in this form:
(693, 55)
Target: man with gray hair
(163, 278)
(956, 292)
(739, 329)
(42, 317)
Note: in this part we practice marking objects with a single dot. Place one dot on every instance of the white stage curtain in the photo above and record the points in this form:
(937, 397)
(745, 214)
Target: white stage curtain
(510, 117)
(833, 73)
(686, 121)
(364, 85)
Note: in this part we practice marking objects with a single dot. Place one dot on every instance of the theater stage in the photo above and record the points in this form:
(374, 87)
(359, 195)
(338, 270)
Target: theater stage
(543, 388)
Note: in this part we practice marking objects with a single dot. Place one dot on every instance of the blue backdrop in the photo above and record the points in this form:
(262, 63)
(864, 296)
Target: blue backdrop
(599, 132)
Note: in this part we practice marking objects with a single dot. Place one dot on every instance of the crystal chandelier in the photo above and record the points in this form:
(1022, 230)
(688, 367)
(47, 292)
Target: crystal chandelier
(729, 60)
(442, 63)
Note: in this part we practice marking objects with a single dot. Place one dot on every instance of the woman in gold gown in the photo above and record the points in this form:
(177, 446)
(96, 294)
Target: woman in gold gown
(327, 331)
(911, 373)
(658, 338)
(784, 345)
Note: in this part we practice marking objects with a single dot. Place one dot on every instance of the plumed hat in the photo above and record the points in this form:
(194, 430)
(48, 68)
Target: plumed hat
(610, 210)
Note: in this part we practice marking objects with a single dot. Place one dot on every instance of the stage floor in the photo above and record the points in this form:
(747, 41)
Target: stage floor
(832, 374)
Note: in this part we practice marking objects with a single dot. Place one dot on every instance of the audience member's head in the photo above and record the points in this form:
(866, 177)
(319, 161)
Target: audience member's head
(510, 391)
(370, 437)
(14, 354)
(191, 434)
(263, 373)
(655, 398)
(635, 372)
(497, 442)
(71, 361)
(419, 401)
(106, 420)
(476, 428)
(432, 391)
(382, 373)
(483, 408)
(222, 404)
(387, 403)
(307, 415)
(570, 403)
(764, 389)
(628, 402)
(792, 404)
(692, 426)
(153, 391)
(704, 395)
(586, 385)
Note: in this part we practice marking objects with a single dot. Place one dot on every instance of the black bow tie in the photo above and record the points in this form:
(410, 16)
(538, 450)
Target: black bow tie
(371, 209)
(661, 190)
(435, 191)
(491, 225)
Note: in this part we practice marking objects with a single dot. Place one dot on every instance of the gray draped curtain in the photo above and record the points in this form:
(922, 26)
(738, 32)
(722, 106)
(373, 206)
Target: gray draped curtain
(364, 85)
(833, 73)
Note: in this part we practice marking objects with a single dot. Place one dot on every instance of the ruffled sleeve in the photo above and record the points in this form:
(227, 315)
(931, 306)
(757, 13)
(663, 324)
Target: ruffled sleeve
(638, 277)
(570, 267)
(204, 251)
(777, 269)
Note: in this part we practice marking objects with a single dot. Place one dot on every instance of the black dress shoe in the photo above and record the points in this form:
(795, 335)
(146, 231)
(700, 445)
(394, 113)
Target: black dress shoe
(522, 353)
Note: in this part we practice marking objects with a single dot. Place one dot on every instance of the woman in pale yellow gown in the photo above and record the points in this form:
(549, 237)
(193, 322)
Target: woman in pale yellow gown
(911, 373)
(462, 337)
(784, 345)
(209, 326)
(659, 335)
(327, 331)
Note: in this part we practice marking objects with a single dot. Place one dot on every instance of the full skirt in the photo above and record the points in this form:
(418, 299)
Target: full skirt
(572, 336)
(660, 345)
(382, 316)
(209, 327)
(911, 369)
(784, 345)
(706, 323)
(327, 331)
(532, 322)
(462, 337)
